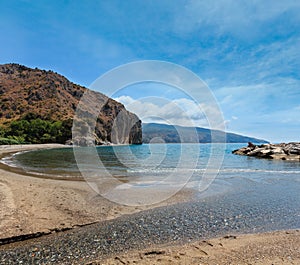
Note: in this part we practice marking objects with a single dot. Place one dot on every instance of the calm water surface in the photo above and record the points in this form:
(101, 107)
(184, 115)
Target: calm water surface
(155, 160)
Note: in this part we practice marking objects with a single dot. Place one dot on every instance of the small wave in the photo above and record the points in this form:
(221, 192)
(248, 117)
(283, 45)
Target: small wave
(247, 170)
(201, 170)
(8, 161)
(164, 170)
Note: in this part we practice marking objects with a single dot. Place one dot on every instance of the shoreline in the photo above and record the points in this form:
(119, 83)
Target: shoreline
(8, 151)
(40, 205)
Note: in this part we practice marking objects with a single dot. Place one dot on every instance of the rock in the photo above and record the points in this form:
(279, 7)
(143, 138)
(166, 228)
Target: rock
(251, 145)
(283, 151)
(277, 150)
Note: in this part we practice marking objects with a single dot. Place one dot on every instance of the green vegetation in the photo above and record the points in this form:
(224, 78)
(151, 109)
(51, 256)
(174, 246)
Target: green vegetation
(4, 141)
(32, 129)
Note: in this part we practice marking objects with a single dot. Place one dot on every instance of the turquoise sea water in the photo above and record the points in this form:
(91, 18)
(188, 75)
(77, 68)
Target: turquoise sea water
(157, 161)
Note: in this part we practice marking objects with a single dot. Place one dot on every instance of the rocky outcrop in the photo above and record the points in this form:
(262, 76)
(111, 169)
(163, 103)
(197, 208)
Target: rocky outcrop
(283, 151)
(49, 96)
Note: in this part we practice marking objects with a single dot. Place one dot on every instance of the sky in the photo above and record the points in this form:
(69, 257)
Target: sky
(246, 52)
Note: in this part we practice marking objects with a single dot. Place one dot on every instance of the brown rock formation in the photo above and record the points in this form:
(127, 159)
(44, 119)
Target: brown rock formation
(50, 96)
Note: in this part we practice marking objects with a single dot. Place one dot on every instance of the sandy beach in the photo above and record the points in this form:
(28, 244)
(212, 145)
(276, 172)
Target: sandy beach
(31, 205)
(36, 204)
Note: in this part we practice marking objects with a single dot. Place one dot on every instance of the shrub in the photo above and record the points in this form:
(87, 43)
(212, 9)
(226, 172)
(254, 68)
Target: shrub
(7, 141)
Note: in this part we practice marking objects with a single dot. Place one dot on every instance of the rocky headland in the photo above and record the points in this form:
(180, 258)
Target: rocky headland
(39, 106)
(283, 151)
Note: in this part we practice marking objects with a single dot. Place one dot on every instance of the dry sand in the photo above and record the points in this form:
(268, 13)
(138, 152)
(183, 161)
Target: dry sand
(281, 247)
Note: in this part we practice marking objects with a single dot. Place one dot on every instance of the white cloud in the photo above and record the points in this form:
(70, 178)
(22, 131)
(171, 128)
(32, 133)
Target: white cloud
(126, 100)
(182, 111)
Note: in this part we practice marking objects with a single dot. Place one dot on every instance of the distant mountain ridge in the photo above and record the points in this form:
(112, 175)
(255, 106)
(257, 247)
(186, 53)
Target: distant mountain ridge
(28, 96)
(172, 133)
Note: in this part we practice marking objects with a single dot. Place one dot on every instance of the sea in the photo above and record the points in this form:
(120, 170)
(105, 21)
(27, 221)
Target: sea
(154, 161)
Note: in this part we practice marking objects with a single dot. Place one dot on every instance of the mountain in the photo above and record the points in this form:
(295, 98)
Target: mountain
(46, 101)
(173, 133)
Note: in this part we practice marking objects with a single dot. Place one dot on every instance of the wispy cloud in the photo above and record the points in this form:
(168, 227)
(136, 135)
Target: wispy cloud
(240, 18)
(268, 110)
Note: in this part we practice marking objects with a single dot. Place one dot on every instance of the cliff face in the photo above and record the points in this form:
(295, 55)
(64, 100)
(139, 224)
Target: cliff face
(50, 96)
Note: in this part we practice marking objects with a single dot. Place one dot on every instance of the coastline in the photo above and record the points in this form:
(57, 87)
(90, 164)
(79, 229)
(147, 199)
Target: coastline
(41, 205)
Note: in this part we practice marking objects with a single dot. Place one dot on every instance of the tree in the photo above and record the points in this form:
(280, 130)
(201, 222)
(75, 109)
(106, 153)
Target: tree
(18, 128)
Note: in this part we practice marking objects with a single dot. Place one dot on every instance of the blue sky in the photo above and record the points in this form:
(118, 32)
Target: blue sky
(248, 52)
